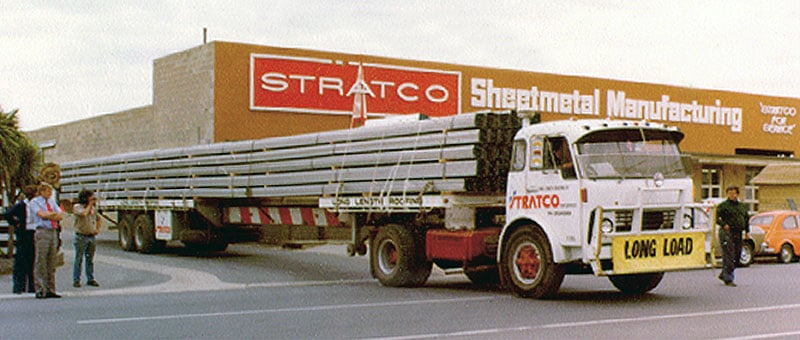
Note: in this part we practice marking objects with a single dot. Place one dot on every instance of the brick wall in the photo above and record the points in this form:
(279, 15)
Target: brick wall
(183, 98)
(103, 135)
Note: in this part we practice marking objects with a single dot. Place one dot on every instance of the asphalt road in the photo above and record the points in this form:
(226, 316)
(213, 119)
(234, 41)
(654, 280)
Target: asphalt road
(261, 292)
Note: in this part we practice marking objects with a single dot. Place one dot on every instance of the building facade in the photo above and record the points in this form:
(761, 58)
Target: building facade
(224, 91)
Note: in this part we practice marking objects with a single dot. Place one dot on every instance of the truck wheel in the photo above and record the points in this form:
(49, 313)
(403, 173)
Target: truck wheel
(636, 284)
(144, 235)
(125, 232)
(526, 265)
(396, 259)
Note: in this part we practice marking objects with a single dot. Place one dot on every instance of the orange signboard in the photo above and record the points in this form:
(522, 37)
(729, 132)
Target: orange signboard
(329, 86)
(306, 91)
(716, 122)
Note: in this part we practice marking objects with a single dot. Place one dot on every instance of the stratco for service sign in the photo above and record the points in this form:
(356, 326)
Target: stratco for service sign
(330, 86)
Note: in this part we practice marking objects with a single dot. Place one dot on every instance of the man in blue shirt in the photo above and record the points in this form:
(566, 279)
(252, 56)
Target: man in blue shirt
(43, 216)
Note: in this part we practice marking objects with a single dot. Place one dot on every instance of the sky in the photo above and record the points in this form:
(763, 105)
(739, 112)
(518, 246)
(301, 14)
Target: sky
(63, 61)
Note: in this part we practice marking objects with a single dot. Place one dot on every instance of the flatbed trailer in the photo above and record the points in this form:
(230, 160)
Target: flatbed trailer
(499, 196)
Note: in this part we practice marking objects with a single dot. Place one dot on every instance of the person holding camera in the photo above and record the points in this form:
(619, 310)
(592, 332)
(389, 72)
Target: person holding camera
(87, 226)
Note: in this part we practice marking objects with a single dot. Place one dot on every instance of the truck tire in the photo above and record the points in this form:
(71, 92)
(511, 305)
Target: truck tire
(145, 235)
(396, 259)
(526, 264)
(636, 284)
(125, 232)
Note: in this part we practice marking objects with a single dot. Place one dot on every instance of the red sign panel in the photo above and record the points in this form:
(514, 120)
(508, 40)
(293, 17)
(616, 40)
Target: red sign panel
(331, 86)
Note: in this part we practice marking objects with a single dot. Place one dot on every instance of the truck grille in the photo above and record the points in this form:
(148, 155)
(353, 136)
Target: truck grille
(651, 220)
(623, 220)
(657, 220)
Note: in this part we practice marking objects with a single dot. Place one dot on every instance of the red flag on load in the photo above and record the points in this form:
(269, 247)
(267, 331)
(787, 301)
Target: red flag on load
(359, 90)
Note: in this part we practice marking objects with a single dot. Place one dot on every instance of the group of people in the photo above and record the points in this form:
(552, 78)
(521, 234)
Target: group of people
(36, 220)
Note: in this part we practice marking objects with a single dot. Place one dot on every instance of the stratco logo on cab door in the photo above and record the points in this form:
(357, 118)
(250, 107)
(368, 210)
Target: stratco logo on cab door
(330, 86)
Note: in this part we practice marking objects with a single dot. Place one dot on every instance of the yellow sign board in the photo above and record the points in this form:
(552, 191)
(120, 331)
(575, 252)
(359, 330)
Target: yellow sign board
(658, 252)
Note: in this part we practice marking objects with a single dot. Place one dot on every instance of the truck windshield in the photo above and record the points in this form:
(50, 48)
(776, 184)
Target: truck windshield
(631, 153)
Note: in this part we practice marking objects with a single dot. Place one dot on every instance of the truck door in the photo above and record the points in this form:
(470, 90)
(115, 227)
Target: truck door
(551, 162)
(552, 185)
(547, 169)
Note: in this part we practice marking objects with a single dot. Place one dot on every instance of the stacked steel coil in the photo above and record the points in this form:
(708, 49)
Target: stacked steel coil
(463, 153)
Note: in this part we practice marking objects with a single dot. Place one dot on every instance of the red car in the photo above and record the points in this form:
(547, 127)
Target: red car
(782, 234)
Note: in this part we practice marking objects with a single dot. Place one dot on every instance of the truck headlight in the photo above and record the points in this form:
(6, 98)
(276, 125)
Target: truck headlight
(607, 226)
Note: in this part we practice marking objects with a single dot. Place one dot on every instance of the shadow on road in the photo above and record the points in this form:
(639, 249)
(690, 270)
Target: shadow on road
(179, 250)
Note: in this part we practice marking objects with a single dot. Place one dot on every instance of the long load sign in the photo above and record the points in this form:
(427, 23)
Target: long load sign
(658, 252)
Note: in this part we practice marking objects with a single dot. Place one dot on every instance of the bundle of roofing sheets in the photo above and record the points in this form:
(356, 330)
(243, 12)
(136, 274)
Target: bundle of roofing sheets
(466, 153)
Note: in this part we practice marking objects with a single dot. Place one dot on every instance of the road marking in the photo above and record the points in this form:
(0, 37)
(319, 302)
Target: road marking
(287, 310)
(766, 336)
(593, 323)
(306, 283)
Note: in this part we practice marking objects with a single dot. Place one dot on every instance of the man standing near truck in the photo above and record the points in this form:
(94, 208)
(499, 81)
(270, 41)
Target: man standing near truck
(732, 219)
(87, 226)
(45, 214)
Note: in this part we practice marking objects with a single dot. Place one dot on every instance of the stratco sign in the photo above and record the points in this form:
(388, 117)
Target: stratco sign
(330, 86)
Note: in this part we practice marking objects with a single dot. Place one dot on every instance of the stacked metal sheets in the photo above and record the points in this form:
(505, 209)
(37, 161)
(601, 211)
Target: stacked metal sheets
(463, 153)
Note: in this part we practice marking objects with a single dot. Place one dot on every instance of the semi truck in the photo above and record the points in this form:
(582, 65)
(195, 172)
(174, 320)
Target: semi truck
(500, 196)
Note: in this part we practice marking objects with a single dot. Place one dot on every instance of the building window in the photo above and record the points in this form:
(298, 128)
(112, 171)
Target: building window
(751, 190)
(711, 186)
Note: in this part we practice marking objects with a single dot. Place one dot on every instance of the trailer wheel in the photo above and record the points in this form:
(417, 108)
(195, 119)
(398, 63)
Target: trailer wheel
(636, 284)
(526, 266)
(145, 237)
(125, 232)
(396, 259)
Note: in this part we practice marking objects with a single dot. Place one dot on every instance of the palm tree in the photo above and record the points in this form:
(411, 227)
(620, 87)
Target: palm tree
(29, 159)
(19, 156)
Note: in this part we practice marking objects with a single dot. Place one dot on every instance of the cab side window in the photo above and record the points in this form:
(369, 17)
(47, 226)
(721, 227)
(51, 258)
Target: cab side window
(518, 158)
(557, 156)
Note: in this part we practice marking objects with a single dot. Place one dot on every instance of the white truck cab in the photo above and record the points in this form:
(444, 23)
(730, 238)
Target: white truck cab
(602, 196)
